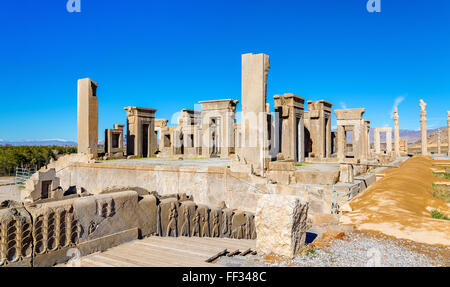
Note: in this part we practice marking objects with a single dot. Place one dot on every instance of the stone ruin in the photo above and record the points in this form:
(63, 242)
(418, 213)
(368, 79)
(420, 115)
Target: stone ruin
(293, 134)
(264, 149)
(351, 121)
(114, 142)
(318, 135)
(141, 136)
(42, 233)
(87, 117)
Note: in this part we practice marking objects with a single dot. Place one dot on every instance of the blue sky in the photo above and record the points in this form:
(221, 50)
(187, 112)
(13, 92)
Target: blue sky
(169, 55)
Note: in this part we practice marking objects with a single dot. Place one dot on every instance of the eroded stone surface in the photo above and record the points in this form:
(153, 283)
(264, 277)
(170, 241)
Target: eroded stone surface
(281, 224)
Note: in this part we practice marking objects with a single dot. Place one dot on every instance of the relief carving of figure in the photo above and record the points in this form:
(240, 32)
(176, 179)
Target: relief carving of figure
(224, 224)
(205, 226)
(215, 227)
(185, 228)
(172, 225)
(196, 224)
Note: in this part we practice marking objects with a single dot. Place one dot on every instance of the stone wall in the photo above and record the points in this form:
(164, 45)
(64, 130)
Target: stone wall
(43, 233)
(48, 232)
(207, 185)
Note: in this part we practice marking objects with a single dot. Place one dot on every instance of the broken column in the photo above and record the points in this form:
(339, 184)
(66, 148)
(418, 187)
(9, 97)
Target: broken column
(281, 222)
(396, 134)
(87, 117)
(423, 127)
(141, 136)
(254, 126)
(289, 111)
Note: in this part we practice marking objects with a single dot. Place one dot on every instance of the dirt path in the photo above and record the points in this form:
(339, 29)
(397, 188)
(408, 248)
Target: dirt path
(400, 205)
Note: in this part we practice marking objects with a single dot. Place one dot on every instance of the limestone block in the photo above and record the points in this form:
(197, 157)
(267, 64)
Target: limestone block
(215, 220)
(89, 224)
(186, 217)
(346, 173)
(16, 242)
(325, 219)
(203, 212)
(250, 227)
(227, 215)
(146, 215)
(167, 217)
(281, 224)
(238, 225)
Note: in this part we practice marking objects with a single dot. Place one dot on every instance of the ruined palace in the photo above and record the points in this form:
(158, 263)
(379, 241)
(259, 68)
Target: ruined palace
(265, 177)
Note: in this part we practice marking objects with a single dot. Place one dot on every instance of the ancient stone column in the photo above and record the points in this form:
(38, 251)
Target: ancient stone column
(87, 117)
(255, 68)
(438, 143)
(377, 141)
(396, 134)
(448, 133)
(388, 141)
(423, 127)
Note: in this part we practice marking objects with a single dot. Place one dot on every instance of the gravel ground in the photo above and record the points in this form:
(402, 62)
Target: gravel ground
(357, 249)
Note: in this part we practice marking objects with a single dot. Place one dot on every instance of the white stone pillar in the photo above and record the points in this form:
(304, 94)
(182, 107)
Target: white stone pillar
(448, 133)
(389, 141)
(438, 143)
(423, 127)
(396, 134)
(376, 139)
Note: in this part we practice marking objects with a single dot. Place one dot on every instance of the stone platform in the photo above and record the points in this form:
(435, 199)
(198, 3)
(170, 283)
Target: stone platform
(200, 162)
(157, 251)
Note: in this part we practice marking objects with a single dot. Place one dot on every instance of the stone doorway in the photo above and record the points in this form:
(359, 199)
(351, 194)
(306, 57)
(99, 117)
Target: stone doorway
(46, 188)
(145, 140)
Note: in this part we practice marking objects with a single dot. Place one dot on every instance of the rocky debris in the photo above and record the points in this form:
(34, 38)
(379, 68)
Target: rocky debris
(355, 249)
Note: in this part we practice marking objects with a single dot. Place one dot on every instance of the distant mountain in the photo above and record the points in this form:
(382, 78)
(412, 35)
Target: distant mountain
(57, 142)
(413, 136)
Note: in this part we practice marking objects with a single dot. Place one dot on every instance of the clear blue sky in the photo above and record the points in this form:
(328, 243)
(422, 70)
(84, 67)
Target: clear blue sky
(169, 55)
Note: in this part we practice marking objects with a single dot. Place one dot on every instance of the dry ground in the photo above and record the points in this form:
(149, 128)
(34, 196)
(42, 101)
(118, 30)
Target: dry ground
(400, 205)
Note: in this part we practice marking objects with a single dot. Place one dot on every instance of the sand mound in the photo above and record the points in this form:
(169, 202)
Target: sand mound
(400, 205)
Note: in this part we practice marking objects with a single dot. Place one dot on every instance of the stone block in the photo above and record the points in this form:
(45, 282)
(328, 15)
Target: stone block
(16, 242)
(346, 173)
(146, 215)
(281, 224)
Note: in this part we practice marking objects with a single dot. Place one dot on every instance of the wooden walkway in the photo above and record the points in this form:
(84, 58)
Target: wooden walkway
(157, 251)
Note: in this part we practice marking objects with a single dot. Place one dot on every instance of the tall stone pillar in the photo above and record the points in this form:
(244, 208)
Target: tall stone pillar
(448, 133)
(342, 142)
(423, 127)
(396, 134)
(377, 141)
(438, 143)
(254, 150)
(388, 141)
(87, 117)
